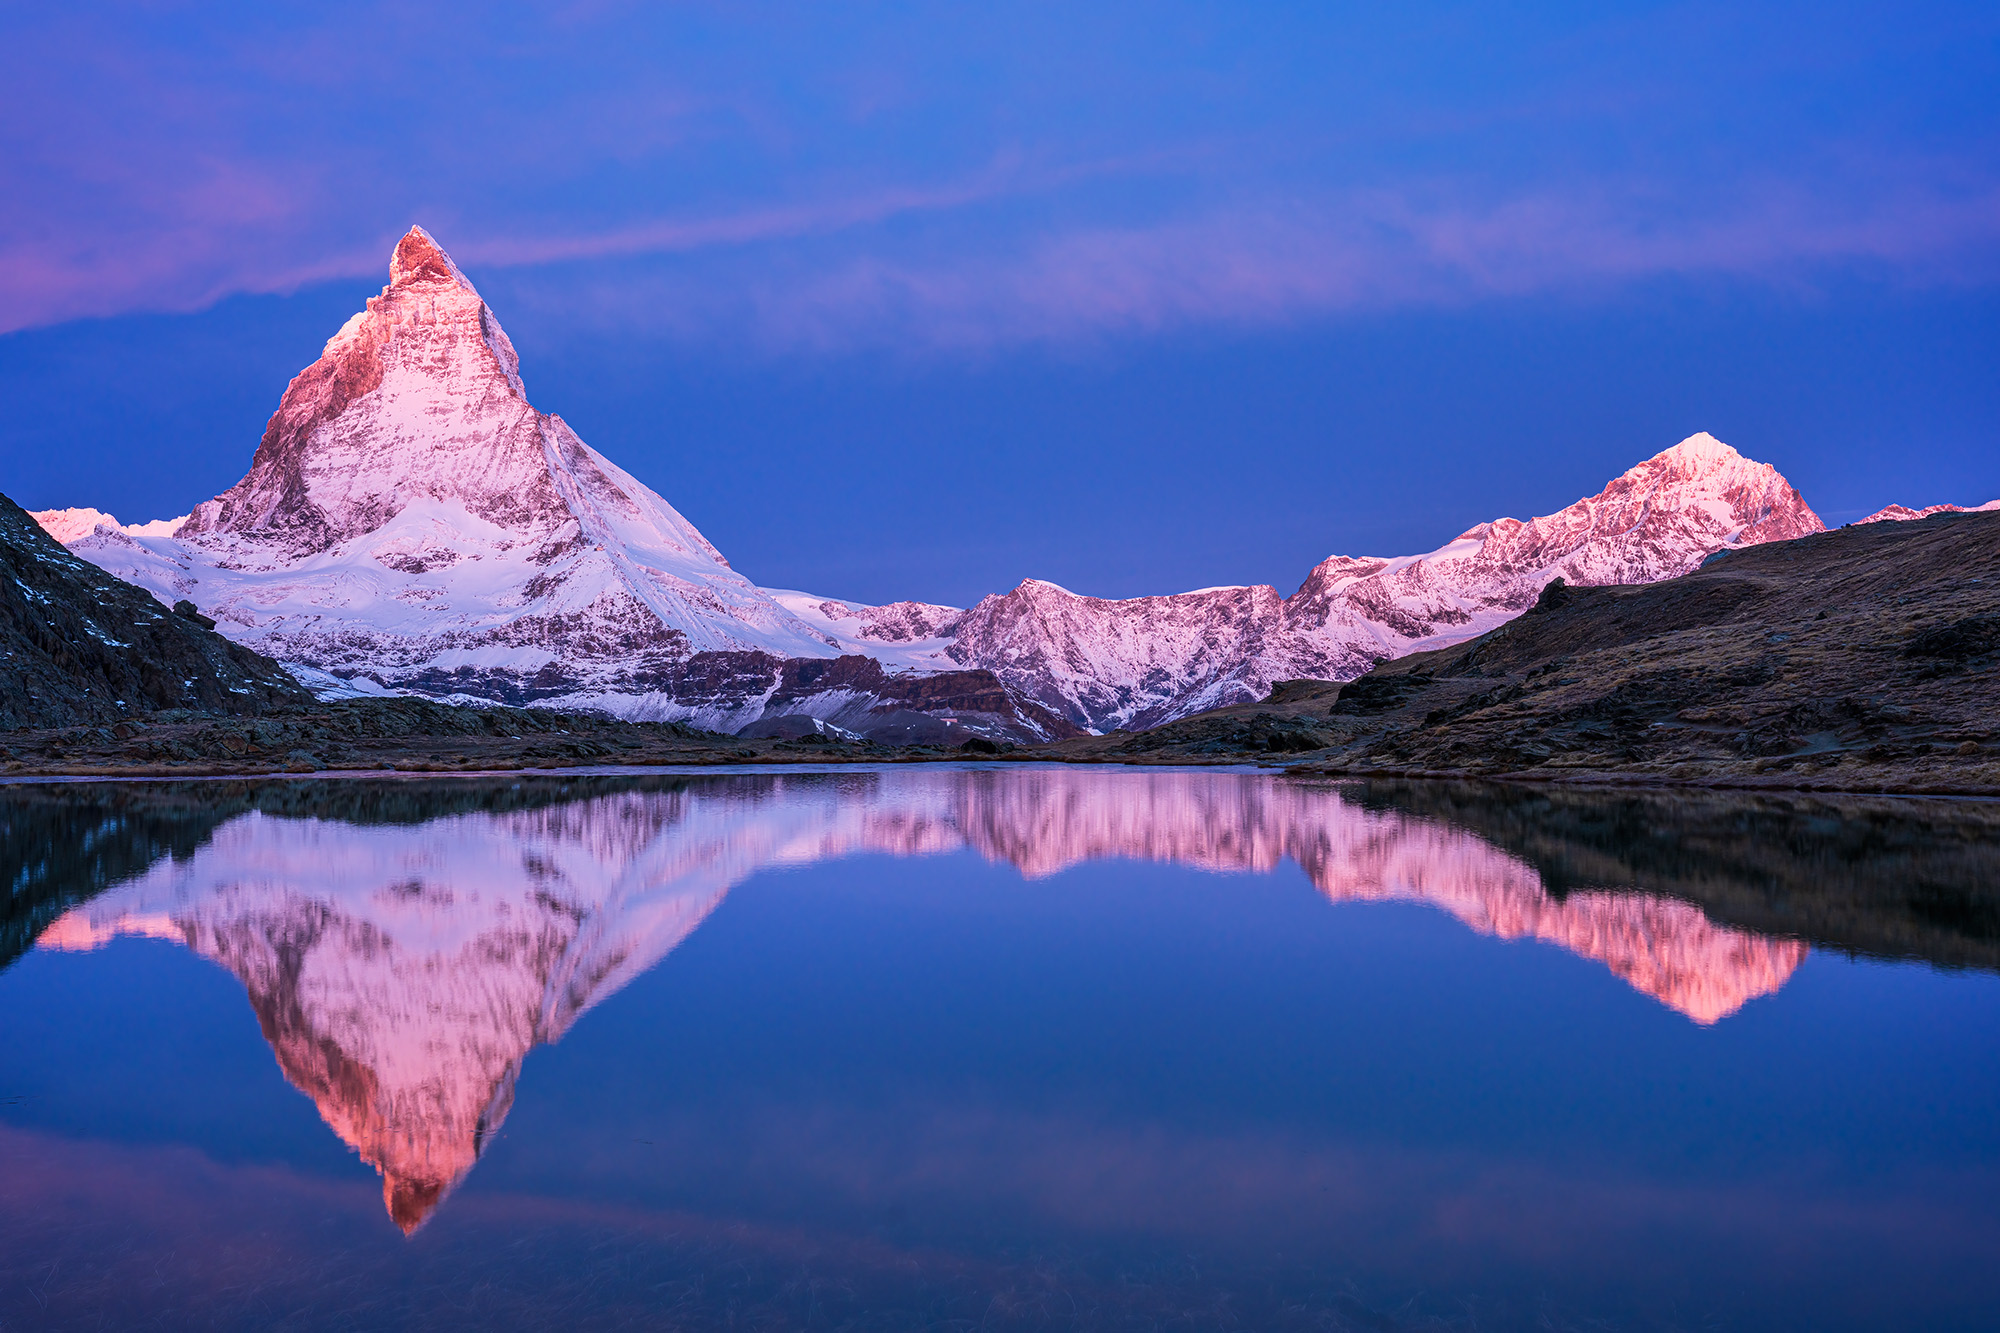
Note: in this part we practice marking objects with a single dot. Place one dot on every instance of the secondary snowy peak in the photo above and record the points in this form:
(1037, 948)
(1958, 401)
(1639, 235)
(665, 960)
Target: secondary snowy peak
(1142, 661)
(1904, 514)
(68, 525)
(1659, 519)
(1134, 662)
(71, 525)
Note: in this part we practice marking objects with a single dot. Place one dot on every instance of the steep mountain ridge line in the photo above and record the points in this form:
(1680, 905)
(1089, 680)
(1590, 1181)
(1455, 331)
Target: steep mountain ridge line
(1864, 658)
(1182, 654)
(411, 521)
(80, 647)
(410, 510)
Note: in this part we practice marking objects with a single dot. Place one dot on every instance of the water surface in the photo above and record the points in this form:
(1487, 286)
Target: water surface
(994, 1048)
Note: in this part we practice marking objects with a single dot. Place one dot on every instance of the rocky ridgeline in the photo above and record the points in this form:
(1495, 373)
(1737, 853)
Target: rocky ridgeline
(1140, 662)
(78, 646)
(1859, 659)
(411, 519)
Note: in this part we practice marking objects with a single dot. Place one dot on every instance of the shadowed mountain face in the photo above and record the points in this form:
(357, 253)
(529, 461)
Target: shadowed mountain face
(402, 963)
(412, 521)
(79, 646)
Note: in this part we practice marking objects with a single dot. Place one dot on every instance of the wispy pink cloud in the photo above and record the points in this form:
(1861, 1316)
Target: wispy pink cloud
(230, 229)
(799, 197)
(1260, 262)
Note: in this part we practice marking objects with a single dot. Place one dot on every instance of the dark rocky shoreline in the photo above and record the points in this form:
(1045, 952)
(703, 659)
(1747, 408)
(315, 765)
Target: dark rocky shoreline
(1861, 660)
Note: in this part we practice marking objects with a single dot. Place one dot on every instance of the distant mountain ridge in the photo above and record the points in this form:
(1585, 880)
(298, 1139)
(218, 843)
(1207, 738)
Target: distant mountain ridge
(1140, 662)
(411, 522)
(1904, 514)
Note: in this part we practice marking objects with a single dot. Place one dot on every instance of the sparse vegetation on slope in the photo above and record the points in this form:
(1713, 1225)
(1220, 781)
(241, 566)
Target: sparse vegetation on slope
(1864, 658)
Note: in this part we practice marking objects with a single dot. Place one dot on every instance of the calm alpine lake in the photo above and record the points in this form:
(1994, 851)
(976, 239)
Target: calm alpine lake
(928, 1047)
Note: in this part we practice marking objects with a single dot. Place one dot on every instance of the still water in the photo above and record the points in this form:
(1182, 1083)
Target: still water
(1001, 1048)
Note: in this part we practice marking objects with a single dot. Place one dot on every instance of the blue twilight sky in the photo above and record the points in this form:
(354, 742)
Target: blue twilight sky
(917, 300)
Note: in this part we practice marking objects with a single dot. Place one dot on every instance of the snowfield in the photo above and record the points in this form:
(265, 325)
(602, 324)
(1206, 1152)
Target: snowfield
(410, 522)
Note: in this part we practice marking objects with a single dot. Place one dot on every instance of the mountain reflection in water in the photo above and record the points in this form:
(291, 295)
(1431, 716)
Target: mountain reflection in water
(401, 972)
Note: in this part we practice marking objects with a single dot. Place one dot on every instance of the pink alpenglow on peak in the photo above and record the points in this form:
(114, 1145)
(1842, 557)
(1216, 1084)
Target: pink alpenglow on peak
(1142, 661)
(409, 514)
(410, 518)
(72, 525)
(1904, 514)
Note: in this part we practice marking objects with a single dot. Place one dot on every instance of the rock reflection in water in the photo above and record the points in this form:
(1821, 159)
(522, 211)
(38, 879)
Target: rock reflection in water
(402, 972)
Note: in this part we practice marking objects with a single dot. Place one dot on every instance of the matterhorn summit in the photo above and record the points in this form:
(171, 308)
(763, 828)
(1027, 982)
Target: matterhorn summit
(411, 516)
(410, 521)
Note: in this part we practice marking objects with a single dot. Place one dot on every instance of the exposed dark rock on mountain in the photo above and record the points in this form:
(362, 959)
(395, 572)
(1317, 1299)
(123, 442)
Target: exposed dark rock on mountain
(1856, 659)
(1143, 661)
(79, 647)
(411, 521)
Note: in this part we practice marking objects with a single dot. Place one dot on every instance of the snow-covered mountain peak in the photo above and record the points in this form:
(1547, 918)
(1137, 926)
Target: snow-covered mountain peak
(419, 258)
(1698, 447)
(1700, 461)
(410, 516)
(70, 525)
(1903, 513)
(418, 397)
(1141, 661)
(410, 513)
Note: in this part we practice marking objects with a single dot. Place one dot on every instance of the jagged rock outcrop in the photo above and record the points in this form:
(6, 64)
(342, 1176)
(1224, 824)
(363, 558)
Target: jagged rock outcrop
(79, 647)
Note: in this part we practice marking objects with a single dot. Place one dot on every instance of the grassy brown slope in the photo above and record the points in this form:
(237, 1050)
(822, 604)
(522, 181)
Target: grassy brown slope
(1866, 658)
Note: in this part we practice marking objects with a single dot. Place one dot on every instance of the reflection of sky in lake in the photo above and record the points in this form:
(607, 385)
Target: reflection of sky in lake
(1056, 1052)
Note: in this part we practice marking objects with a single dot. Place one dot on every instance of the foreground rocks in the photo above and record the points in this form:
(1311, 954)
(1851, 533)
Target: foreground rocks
(416, 735)
(79, 647)
(1862, 659)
